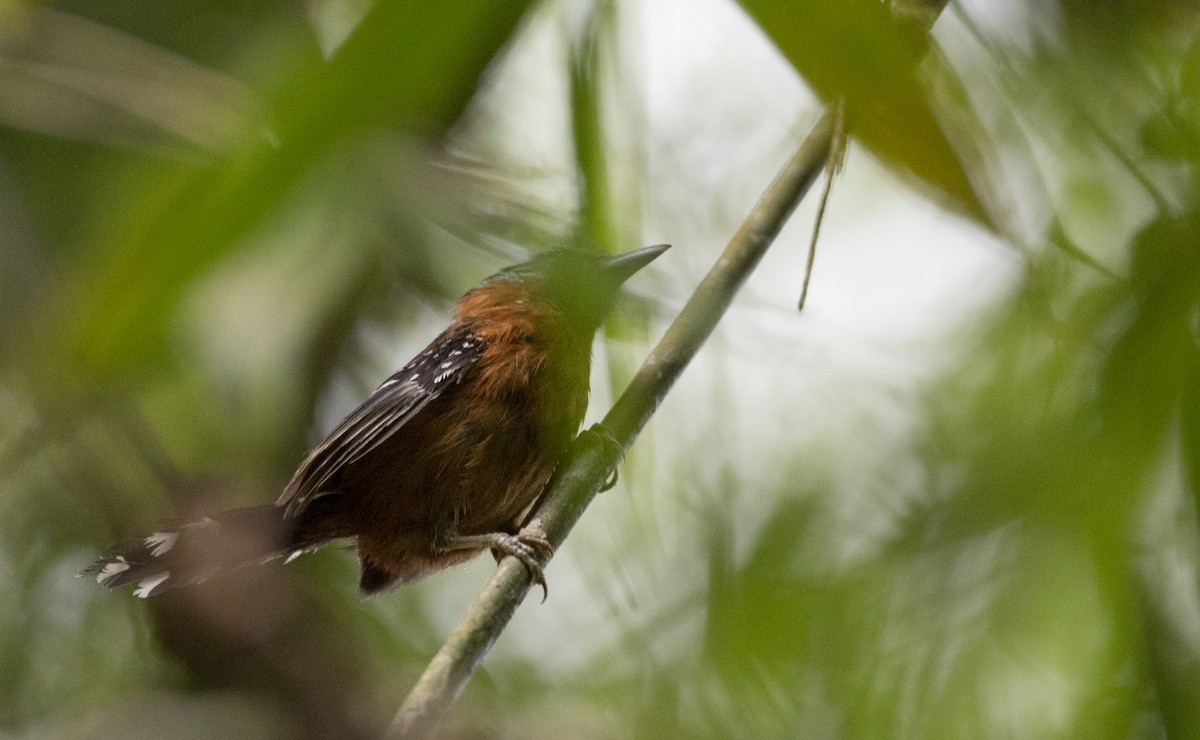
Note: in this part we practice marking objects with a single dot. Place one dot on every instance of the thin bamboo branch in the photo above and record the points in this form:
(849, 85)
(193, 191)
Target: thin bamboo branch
(598, 451)
(837, 157)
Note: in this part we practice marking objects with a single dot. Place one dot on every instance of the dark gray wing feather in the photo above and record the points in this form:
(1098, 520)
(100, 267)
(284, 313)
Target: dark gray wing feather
(385, 411)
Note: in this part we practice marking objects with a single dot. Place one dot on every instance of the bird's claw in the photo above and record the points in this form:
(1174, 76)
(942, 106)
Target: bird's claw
(526, 547)
(612, 481)
(606, 437)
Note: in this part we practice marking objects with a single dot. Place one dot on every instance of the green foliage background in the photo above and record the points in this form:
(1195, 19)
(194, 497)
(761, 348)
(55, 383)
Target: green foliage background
(223, 222)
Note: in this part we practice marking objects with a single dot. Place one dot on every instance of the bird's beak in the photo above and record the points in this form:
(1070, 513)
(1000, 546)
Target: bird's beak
(622, 267)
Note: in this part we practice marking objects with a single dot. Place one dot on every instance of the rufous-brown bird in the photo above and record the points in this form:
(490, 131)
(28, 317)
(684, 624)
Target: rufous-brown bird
(443, 460)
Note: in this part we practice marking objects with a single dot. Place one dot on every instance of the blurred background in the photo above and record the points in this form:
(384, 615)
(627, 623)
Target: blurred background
(956, 496)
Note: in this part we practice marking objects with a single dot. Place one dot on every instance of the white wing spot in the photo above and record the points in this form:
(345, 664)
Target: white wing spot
(111, 571)
(295, 554)
(146, 586)
(160, 543)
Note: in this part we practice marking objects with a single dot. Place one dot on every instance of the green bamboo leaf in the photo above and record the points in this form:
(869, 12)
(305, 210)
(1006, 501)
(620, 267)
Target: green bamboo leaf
(410, 64)
(856, 49)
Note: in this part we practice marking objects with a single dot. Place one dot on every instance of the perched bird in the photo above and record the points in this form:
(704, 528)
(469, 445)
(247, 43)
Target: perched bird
(443, 460)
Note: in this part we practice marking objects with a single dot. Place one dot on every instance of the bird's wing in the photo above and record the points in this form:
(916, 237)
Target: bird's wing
(385, 411)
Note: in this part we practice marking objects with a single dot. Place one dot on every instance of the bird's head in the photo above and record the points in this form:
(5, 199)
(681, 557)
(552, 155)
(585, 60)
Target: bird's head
(583, 283)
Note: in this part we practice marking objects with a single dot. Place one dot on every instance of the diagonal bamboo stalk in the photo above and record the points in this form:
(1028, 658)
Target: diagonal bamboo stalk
(598, 451)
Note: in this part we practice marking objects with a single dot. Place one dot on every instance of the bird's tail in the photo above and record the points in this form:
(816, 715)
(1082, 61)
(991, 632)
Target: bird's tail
(191, 552)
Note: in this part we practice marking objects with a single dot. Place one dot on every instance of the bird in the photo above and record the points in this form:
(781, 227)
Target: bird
(442, 461)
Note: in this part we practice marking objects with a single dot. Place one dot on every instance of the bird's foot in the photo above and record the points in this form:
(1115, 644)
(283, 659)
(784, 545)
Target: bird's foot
(526, 546)
(606, 437)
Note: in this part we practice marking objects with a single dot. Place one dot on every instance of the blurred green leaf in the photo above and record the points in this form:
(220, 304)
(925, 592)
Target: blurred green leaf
(856, 49)
(409, 65)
